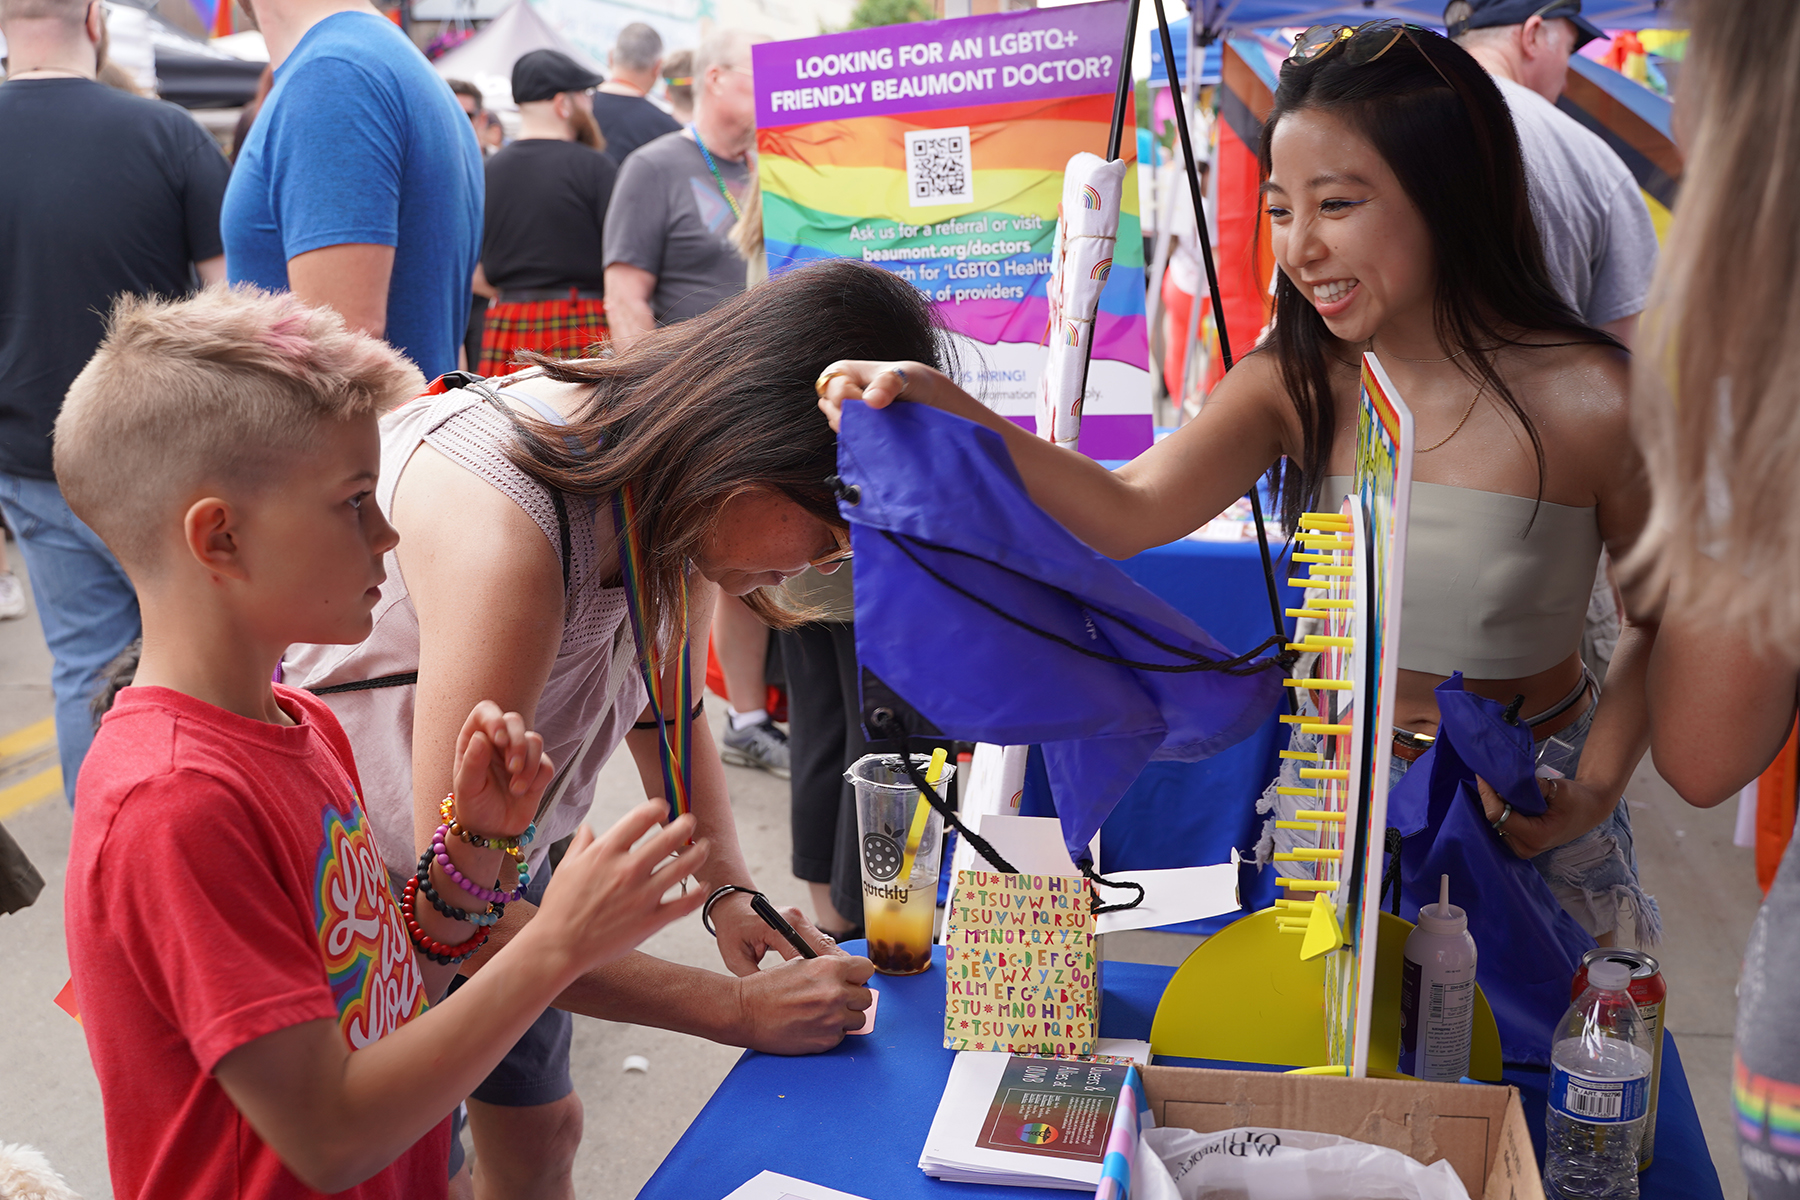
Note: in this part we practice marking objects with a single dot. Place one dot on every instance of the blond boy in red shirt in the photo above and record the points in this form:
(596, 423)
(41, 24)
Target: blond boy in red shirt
(255, 996)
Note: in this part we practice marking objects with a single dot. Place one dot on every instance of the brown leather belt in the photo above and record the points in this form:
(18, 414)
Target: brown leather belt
(1410, 746)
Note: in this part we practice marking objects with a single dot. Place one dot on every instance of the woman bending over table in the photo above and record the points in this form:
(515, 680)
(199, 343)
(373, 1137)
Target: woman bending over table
(1401, 225)
(699, 458)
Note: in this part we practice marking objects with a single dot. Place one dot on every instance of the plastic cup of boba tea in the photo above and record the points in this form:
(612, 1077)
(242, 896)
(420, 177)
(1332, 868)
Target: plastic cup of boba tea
(899, 873)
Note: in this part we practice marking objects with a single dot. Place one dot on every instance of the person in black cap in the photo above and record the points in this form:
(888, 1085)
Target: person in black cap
(547, 194)
(1598, 239)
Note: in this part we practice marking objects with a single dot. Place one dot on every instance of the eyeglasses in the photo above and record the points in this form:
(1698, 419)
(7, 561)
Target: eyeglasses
(833, 557)
(1364, 43)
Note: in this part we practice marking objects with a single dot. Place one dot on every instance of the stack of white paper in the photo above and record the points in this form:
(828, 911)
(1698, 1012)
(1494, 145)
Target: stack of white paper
(1028, 1122)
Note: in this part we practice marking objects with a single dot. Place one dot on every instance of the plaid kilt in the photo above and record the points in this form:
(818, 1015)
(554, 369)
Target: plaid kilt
(558, 328)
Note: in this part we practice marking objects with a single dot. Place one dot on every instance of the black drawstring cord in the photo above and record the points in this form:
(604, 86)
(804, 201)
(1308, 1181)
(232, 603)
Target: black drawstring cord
(1390, 878)
(1087, 869)
(887, 727)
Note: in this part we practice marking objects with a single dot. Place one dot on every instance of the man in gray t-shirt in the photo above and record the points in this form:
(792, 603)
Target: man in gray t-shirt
(1598, 240)
(668, 250)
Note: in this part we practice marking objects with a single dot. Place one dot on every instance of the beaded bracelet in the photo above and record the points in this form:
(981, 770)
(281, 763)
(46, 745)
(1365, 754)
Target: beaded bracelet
(429, 946)
(514, 846)
(491, 895)
(492, 914)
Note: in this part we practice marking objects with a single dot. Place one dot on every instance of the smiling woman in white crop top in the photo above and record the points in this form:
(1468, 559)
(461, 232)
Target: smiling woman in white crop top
(1395, 233)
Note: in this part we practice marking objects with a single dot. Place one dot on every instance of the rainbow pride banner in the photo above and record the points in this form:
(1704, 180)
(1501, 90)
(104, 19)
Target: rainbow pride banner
(936, 150)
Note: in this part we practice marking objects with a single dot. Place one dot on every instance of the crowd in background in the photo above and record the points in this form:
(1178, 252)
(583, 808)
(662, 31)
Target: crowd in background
(359, 180)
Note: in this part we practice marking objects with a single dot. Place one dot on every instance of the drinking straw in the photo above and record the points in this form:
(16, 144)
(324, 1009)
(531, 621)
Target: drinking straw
(921, 814)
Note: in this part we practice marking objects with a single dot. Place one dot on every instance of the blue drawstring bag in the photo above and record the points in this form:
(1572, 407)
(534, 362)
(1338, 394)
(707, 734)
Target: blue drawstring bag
(980, 618)
(1527, 947)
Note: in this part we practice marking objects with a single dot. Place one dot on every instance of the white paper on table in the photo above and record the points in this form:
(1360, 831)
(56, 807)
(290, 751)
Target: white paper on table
(1176, 895)
(771, 1186)
(1035, 846)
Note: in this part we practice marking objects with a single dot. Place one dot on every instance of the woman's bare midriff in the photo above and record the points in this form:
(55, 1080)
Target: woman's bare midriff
(1417, 707)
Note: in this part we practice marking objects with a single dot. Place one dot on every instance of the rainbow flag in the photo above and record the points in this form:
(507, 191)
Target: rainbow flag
(1637, 123)
(936, 151)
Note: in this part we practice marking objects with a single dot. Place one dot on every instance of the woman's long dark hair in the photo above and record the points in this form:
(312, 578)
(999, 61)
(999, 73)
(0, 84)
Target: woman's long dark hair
(701, 411)
(1444, 130)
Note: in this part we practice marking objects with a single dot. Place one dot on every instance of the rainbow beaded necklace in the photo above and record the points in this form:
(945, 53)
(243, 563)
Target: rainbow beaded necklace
(675, 736)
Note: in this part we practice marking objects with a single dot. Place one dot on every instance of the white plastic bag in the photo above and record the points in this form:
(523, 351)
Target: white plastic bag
(1281, 1164)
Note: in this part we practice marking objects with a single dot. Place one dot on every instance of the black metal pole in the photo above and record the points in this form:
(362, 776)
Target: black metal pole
(1122, 96)
(1212, 282)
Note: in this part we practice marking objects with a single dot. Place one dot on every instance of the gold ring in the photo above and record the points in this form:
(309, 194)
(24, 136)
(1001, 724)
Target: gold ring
(824, 380)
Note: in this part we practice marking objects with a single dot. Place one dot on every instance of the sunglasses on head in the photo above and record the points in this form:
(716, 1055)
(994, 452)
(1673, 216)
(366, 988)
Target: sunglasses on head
(1362, 44)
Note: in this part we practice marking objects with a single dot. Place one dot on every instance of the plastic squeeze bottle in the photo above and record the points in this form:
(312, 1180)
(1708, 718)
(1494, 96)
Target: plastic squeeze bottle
(1599, 1091)
(1437, 993)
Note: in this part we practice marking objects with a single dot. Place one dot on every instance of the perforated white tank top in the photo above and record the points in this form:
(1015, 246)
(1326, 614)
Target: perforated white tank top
(593, 682)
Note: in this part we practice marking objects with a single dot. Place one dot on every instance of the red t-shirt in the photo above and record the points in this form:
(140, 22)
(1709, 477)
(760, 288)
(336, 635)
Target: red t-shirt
(223, 884)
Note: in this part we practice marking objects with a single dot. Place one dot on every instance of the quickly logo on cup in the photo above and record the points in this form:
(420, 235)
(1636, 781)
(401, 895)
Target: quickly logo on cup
(882, 856)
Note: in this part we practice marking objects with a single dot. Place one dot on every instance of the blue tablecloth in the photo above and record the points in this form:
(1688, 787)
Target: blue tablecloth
(1195, 814)
(856, 1118)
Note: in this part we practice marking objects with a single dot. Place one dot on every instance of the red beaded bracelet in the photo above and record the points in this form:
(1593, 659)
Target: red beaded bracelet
(433, 949)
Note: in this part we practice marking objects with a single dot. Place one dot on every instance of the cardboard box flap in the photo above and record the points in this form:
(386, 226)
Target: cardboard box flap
(1479, 1129)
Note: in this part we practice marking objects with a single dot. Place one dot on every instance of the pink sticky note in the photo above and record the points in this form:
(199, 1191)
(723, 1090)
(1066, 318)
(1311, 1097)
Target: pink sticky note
(868, 1025)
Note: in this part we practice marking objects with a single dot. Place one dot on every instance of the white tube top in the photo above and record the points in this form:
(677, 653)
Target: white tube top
(1490, 591)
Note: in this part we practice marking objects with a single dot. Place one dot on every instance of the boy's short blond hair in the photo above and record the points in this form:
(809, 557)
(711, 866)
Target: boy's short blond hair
(220, 390)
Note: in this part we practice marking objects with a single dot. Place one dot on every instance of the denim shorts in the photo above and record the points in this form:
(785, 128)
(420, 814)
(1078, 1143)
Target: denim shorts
(536, 1070)
(1594, 877)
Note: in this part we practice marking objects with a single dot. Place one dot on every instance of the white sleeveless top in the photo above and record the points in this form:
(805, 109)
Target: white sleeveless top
(594, 686)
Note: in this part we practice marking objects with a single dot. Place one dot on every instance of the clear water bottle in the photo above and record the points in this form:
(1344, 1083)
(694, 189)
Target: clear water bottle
(1599, 1091)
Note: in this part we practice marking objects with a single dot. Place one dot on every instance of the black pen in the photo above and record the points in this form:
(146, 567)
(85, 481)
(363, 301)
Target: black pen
(774, 920)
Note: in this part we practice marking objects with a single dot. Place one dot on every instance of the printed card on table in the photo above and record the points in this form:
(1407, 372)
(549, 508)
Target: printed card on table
(1019, 965)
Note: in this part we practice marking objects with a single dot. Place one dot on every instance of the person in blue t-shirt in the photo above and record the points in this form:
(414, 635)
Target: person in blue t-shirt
(360, 185)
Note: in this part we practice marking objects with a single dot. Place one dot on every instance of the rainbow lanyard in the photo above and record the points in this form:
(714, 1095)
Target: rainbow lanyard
(675, 736)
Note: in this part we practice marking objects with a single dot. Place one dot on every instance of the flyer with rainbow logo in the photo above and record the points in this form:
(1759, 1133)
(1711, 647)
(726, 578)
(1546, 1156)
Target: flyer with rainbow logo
(936, 150)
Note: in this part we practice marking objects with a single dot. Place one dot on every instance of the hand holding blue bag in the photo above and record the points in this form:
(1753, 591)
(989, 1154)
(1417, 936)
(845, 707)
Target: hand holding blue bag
(1529, 947)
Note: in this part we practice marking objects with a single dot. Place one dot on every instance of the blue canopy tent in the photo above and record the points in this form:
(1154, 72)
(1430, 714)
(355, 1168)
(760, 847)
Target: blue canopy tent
(1217, 16)
(1209, 64)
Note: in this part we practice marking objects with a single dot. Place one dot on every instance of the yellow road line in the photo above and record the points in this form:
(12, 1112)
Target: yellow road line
(39, 787)
(28, 738)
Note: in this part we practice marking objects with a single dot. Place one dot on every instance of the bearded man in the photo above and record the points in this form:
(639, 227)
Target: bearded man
(547, 194)
(359, 186)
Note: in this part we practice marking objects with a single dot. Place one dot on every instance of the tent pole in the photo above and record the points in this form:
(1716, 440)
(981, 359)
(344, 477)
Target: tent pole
(1212, 280)
(1122, 96)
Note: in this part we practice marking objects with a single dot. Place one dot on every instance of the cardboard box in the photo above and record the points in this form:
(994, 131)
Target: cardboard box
(1481, 1130)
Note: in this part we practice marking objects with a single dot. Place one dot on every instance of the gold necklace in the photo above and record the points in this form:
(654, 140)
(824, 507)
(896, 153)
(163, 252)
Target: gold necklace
(1459, 424)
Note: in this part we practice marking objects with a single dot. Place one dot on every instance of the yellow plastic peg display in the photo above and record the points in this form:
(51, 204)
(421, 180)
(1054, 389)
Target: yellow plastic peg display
(1323, 934)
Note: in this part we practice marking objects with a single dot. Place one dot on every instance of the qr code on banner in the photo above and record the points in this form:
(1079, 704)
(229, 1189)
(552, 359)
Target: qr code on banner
(938, 167)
